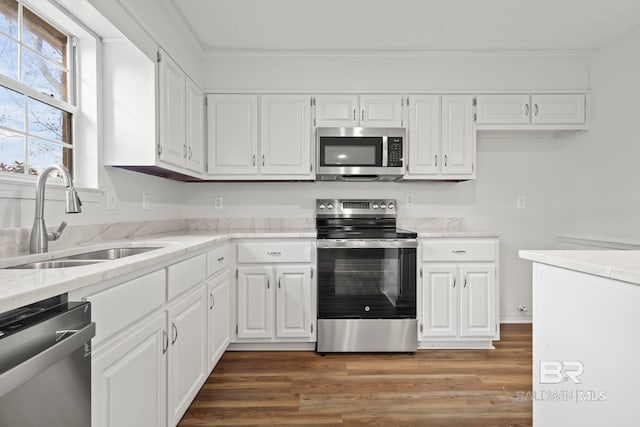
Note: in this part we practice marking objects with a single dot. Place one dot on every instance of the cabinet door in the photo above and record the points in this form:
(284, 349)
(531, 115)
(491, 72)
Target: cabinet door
(219, 329)
(381, 110)
(255, 302)
(503, 109)
(337, 111)
(558, 108)
(439, 301)
(195, 127)
(172, 92)
(232, 134)
(478, 300)
(285, 135)
(424, 154)
(293, 302)
(458, 136)
(128, 381)
(187, 352)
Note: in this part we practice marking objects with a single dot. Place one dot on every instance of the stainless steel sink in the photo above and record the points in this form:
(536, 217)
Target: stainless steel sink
(54, 263)
(86, 258)
(109, 254)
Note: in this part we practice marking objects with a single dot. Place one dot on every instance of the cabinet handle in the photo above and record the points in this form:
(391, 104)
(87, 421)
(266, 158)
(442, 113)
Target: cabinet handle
(454, 281)
(362, 118)
(526, 110)
(436, 160)
(190, 153)
(213, 301)
(263, 160)
(536, 109)
(174, 330)
(354, 114)
(221, 259)
(165, 341)
(253, 160)
(268, 284)
(279, 280)
(445, 160)
(184, 151)
(465, 281)
(459, 251)
(274, 253)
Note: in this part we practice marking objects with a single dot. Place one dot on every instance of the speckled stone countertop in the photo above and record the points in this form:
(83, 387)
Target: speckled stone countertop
(21, 287)
(613, 264)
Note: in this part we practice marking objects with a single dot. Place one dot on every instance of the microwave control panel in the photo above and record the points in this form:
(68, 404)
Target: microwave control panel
(394, 151)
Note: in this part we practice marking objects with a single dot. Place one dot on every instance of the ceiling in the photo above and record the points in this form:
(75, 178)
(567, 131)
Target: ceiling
(406, 25)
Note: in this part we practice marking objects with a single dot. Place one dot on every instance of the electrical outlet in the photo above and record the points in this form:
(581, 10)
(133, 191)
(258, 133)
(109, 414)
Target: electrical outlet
(218, 202)
(146, 200)
(523, 308)
(410, 197)
(521, 202)
(112, 203)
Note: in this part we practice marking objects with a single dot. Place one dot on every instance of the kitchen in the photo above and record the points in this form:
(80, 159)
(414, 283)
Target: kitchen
(572, 184)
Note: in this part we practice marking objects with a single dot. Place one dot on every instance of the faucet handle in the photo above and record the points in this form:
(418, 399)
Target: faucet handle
(56, 234)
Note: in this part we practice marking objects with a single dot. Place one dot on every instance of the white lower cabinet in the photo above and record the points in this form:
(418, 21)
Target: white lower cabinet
(129, 379)
(219, 318)
(188, 365)
(458, 302)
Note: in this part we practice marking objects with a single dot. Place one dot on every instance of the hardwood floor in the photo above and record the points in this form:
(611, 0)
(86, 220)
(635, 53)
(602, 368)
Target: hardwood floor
(429, 388)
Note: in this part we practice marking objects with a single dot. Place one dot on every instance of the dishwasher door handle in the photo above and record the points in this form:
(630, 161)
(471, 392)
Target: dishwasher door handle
(28, 369)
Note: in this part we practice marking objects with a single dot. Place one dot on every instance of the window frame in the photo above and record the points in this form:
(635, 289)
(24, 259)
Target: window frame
(69, 106)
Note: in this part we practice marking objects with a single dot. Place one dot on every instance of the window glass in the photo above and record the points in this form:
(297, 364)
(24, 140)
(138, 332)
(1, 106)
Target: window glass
(43, 76)
(9, 62)
(43, 154)
(49, 122)
(9, 17)
(12, 153)
(11, 109)
(43, 38)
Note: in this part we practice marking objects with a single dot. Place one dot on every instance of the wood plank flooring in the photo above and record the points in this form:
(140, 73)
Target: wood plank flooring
(429, 388)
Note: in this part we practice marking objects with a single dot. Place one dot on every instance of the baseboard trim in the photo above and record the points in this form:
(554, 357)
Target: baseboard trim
(519, 319)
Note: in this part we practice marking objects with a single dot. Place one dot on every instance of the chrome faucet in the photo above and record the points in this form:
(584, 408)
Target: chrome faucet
(39, 241)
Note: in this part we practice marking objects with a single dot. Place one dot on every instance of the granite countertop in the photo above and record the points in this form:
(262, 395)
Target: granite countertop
(22, 287)
(623, 265)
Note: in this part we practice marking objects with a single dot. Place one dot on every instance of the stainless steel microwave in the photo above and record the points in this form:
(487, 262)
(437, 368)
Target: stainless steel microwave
(360, 154)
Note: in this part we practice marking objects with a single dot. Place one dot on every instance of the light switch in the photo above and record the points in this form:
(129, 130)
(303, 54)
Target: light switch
(146, 200)
(521, 202)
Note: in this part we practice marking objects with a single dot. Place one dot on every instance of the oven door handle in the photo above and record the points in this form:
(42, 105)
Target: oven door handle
(367, 244)
(28, 369)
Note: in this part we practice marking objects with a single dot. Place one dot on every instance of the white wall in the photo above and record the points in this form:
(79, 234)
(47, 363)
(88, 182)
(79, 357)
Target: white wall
(601, 171)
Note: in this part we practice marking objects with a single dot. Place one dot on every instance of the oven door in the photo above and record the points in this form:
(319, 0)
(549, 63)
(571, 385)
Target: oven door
(366, 280)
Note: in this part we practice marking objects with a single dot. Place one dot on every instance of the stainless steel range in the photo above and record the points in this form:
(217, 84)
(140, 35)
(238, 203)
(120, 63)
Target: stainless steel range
(366, 277)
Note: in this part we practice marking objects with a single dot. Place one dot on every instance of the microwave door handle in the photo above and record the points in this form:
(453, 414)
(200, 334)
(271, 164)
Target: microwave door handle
(385, 151)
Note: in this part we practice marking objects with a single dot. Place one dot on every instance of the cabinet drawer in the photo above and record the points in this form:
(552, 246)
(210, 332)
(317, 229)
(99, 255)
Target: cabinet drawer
(274, 252)
(185, 274)
(217, 260)
(458, 250)
(117, 307)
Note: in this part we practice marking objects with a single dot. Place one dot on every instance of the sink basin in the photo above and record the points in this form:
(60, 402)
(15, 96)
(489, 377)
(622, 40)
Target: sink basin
(86, 258)
(109, 254)
(55, 263)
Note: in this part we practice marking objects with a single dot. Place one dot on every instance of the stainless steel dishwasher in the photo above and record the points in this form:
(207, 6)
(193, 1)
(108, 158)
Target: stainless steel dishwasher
(45, 365)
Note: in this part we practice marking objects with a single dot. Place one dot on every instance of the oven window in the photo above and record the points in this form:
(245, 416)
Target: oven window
(344, 151)
(366, 283)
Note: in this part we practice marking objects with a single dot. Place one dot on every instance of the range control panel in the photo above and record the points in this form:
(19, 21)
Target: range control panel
(355, 207)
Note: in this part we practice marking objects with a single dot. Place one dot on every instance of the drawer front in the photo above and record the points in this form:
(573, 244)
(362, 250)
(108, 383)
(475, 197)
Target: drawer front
(217, 260)
(274, 252)
(185, 274)
(117, 307)
(459, 250)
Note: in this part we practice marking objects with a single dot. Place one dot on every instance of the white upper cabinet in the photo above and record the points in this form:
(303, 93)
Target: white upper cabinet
(337, 111)
(172, 91)
(195, 127)
(279, 150)
(362, 110)
(232, 134)
(531, 112)
(285, 135)
(442, 141)
(425, 154)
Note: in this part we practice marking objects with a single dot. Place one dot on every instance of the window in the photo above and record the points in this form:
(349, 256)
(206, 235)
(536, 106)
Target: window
(36, 100)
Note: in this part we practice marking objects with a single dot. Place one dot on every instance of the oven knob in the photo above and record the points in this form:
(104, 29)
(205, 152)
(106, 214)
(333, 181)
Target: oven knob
(330, 206)
(383, 206)
(391, 206)
(375, 206)
(367, 308)
(321, 206)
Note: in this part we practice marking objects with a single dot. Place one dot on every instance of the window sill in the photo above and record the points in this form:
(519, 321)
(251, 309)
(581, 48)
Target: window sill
(24, 187)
